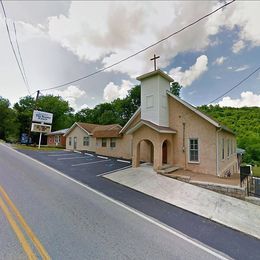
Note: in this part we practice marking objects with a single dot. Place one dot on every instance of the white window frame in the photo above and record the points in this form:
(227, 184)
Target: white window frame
(57, 139)
(111, 139)
(189, 161)
(105, 142)
(86, 141)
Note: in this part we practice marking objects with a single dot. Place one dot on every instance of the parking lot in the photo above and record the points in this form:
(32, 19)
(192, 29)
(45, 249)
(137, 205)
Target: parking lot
(81, 166)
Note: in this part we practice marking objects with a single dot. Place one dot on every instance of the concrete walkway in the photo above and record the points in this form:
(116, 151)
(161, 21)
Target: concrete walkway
(234, 213)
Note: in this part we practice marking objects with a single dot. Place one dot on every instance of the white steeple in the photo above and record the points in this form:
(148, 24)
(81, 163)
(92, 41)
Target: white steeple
(154, 102)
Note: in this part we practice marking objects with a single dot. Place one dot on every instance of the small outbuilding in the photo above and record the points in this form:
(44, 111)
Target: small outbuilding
(57, 138)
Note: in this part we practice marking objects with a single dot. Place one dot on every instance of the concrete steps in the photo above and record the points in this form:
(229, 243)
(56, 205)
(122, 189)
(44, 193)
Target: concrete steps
(166, 169)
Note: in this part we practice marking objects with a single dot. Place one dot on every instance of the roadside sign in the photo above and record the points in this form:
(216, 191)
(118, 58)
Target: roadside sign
(42, 117)
(40, 128)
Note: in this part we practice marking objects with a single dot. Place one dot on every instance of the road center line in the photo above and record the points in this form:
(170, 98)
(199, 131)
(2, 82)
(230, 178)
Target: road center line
(25, 226)
(26, 247)
(79, 164)
(150, 219)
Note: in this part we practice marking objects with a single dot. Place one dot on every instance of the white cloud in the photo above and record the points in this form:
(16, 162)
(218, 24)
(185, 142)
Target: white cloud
(92, 31)
(247, 99)
(70, 94)
(84, 106)
(244, 67)
(238, 46)
(219, 60)
(185, 78)
(112, 91)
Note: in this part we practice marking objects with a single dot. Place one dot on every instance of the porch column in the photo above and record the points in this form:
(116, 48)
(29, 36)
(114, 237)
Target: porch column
(157, 156)
(136, 155)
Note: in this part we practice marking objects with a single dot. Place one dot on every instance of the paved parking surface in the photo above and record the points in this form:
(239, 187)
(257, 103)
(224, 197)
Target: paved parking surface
(83, 166)
(89, 169)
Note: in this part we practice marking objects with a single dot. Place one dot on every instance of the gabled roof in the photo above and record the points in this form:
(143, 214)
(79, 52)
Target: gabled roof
(107, 131)
(58, 132)
(195, 110)
(97, 130)
(157, 128)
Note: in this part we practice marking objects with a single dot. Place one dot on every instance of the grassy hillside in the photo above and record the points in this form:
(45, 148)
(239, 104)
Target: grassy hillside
(245, 122)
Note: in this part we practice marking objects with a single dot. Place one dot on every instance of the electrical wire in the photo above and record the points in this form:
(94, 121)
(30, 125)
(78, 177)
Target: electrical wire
(19, 53)
(11, 43)
(142, 50)
(238, 84)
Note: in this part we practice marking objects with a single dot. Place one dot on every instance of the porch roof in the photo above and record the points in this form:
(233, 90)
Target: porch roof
(157, 128)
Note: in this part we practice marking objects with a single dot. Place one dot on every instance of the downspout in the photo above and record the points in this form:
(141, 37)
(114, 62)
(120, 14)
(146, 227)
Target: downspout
(217, 163)
(183, 145)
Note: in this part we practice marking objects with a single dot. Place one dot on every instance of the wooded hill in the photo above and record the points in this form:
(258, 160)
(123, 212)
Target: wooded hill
(245, 122)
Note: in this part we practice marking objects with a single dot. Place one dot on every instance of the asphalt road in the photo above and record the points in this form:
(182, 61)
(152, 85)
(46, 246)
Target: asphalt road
(74, 222)
(233, 243)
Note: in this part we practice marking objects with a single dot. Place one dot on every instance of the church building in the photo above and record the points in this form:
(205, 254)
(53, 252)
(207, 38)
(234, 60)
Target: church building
(167, 132)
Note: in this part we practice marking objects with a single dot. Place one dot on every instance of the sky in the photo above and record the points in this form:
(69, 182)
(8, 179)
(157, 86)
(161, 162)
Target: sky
(62, 41)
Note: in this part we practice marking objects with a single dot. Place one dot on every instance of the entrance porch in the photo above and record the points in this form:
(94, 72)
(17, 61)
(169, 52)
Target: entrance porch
(153, 145)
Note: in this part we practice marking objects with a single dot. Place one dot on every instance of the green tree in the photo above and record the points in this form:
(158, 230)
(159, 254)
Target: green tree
(245, 122)
(24, 109)
(62, 113)
(175, 88)
(9, 125)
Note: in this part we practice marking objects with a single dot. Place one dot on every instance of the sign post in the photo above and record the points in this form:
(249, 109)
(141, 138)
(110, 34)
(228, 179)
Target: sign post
(45, 120)
(40, 139)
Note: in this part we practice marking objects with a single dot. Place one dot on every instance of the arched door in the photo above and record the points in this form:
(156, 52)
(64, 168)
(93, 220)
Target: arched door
(164, 152)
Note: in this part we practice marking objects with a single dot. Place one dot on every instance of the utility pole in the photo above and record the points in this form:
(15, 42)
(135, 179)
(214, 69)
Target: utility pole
(35, 107)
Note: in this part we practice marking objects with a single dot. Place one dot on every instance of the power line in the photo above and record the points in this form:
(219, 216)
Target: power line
(142, 50)
(10, 40)
(238, 84)
(21, 59)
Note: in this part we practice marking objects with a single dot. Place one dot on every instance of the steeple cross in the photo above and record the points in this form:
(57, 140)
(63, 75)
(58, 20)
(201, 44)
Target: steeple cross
(154, 60)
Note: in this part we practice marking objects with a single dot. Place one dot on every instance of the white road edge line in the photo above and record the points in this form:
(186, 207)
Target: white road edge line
(116, 170)
(119, 160)
(150, 219)
(79, 164)
(76, 151)
(102, 157)
(70, 158)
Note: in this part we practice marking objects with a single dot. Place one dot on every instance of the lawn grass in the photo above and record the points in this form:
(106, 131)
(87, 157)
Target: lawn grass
(35, 148)
(256, 171)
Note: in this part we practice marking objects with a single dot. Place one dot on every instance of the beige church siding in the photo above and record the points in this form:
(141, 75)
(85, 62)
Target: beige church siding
(79, 133)
(229, 163)
(123, 147)
(195, 127)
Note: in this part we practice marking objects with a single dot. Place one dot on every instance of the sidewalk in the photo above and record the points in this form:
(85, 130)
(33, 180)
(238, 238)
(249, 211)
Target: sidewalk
(234, 213)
